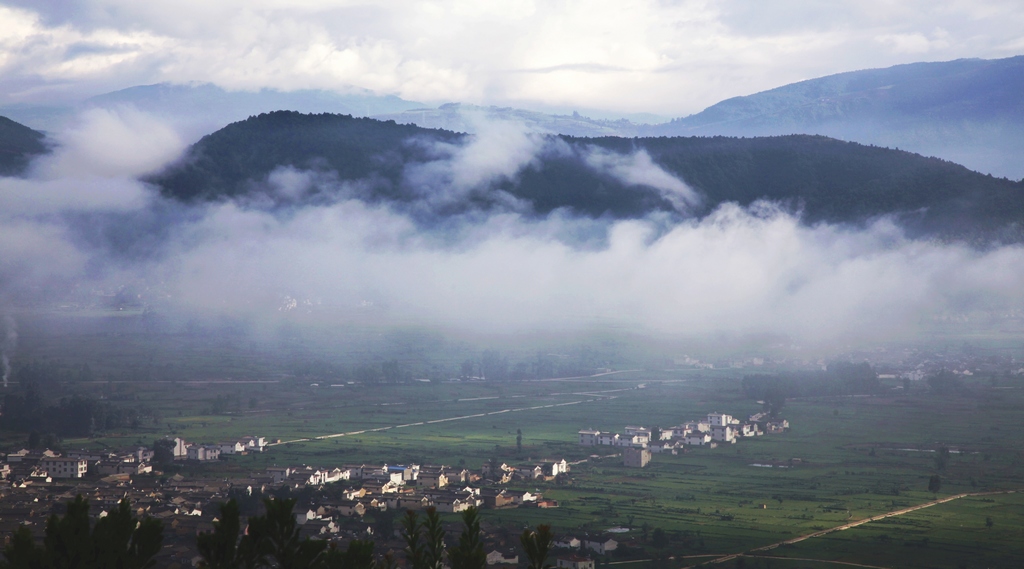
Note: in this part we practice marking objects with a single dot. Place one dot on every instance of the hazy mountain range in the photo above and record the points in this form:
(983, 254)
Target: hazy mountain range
(587, 167)
(203, 107)
(970, 111)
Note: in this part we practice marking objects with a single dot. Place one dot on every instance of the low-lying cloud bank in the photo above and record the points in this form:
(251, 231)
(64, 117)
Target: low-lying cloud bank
(737, 270)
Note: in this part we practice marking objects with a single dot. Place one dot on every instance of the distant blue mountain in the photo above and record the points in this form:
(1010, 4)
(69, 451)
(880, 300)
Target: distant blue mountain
(204, 107)
(970, 111)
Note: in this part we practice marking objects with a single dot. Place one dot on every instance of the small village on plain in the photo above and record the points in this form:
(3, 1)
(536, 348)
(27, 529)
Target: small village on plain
(38, 478)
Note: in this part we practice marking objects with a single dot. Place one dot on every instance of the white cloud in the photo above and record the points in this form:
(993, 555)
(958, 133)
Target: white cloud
(110, 143)
(737, 271)
(638, 169)
(644, 55)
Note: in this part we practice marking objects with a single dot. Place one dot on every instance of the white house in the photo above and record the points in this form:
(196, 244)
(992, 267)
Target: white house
(574, 562)
(589, 437)
(702, 426)
(636, 457)
(720, 419)
(61, 467)
(232, 448)
(723, 433)
(203, 453)
(180, 448)
(749, 430)
(496, 557)
(567, 542)
(697, 438)
(554, 468)
(601, 545)
(254, 444)
(279, 473)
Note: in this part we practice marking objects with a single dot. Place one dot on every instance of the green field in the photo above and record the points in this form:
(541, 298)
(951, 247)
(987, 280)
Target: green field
(845, 458)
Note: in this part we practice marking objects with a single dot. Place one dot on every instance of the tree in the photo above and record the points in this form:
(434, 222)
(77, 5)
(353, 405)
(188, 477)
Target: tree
(934, 484)
(220, 549)
(433, 535)
(537, 544)
(658, 538)
(941, 458)
(415, 550)
(163, 452)
(944, 382)
(469, 552)
(271, 540)
(118, 539)
(774, 400)
(359, 555)
(276, 537)
(519, 441)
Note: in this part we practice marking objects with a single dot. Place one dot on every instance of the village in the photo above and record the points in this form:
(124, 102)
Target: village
(639, 444)
(335, 504)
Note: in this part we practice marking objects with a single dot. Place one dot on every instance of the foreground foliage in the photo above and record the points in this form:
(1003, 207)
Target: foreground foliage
(117, 540)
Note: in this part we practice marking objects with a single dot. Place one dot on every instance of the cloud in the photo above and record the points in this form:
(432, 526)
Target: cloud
(755, 270)
(498, 150)
(650, 56)
(109, 143)
(347, 262)
(638, 169)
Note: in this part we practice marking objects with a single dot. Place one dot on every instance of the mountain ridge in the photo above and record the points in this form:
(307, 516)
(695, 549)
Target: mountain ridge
(18, 145)
(829, 180)
(970, 111)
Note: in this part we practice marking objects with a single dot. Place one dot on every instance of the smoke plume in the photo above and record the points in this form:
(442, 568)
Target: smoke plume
(8, 345)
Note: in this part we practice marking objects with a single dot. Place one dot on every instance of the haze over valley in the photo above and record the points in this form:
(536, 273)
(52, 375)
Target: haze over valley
(687, 282)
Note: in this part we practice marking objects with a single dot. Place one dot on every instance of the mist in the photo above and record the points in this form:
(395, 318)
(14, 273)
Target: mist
(82, 224)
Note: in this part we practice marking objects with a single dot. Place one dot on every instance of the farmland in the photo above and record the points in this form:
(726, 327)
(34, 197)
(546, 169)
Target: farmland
(844, 459)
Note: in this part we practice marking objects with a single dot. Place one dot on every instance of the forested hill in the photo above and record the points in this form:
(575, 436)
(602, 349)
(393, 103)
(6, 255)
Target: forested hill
(969, 110)
(18, 144)
(829, 180)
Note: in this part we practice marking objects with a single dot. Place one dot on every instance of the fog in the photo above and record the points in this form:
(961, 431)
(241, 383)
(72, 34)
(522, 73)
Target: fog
(81, 224)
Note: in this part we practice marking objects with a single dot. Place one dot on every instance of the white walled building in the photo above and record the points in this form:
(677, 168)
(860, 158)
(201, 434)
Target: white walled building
(61, 467)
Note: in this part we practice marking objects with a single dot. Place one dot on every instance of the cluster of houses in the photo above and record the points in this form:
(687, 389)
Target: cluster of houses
(415, 487)
(41, 481)
(206, 452)
(639, 443)
(27, 466)
(577, 556)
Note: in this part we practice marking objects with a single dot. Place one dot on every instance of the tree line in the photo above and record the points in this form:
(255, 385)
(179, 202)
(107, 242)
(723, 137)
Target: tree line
(269, 540)
(838, 378)
(25, 410)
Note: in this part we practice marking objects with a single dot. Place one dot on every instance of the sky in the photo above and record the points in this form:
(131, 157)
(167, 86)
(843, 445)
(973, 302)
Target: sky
(668, 57)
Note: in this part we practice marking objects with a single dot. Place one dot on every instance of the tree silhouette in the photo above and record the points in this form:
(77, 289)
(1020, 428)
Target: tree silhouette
(537, 544)
(469, 553)
(117, 540)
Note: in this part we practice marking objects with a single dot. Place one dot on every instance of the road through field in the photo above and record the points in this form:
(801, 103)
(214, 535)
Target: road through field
(595, 396)
(847, 526)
